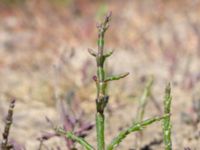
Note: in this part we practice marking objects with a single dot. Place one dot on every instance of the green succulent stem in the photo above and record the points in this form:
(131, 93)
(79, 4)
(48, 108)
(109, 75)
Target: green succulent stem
(101, 42)
(102, 81)
(73, 137)
(100, 131)
(102, 98)
(135, 127)
(167, 120)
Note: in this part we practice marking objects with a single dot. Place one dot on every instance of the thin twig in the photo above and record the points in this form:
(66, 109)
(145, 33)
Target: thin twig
(144, 99)
(9, 119)
(142, 106)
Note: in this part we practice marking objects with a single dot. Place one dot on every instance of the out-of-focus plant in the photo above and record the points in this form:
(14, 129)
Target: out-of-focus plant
(147, 93)
(5, 145)
(144, 99)
(71, 122)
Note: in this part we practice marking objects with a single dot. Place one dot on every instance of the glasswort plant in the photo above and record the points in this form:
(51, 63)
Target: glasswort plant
(101, 80)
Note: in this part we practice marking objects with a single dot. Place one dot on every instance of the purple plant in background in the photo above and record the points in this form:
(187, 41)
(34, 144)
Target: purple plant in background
(70, 122)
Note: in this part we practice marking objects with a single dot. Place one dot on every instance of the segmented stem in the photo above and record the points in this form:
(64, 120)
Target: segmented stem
(166, 121)
(102, 98)
(101, 81)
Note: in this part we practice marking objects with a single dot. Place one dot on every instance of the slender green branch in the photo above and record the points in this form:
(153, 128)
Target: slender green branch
(166, 121)
(72, 136)
(118, 77)
(135, 127)
(143, 100)
(9, 118)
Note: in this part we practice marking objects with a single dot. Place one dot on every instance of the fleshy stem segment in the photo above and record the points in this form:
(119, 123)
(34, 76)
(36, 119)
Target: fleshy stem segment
(102, 80)
(166, 121)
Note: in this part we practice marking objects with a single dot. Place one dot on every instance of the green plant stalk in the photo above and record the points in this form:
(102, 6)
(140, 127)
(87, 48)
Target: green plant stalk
(72, 136)
(135, 127)
(100, 131)
(143, 100)
(101, 81)
(101, 90)
(166, 121)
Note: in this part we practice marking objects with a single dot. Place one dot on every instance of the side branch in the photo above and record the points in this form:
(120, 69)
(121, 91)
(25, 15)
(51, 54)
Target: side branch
(112, 78)
(72, 136)
(135, 127)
